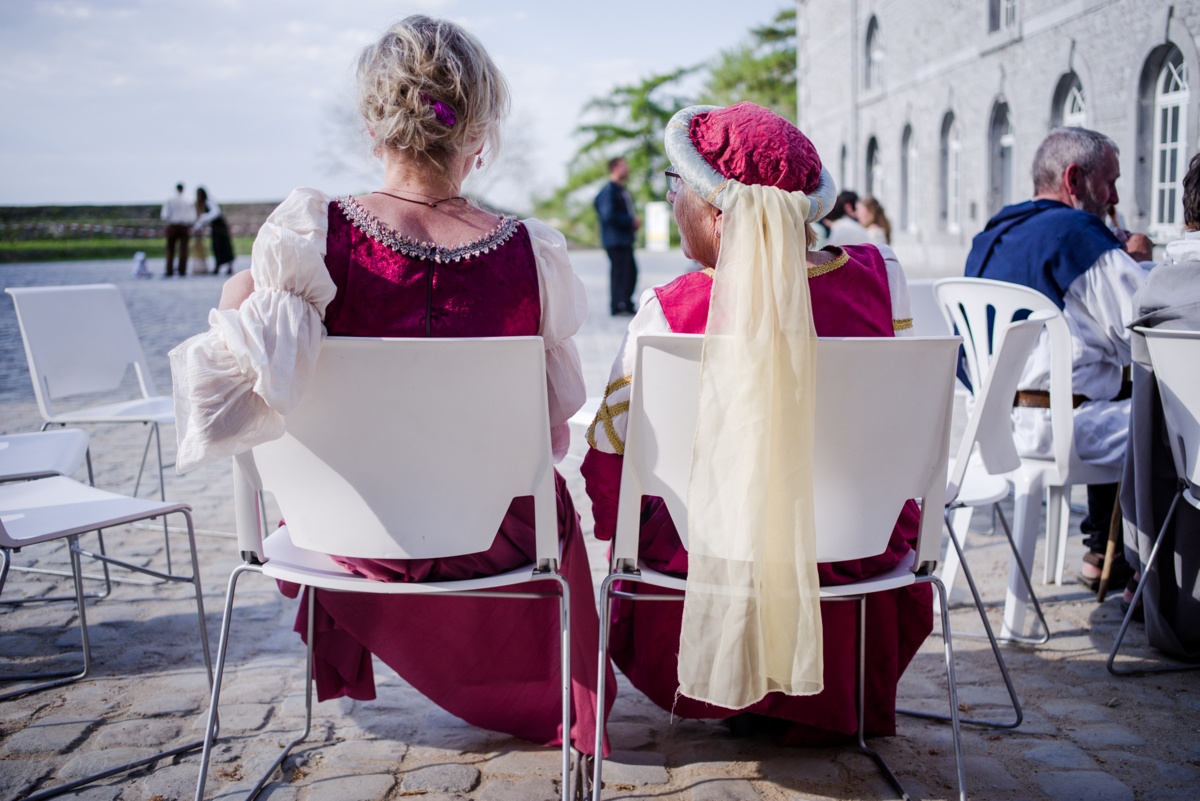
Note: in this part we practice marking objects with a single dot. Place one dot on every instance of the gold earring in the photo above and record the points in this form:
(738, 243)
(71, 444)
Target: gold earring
(479, 162)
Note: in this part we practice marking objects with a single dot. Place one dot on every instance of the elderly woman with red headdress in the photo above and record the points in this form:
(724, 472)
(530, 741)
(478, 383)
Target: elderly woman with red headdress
(746, 186)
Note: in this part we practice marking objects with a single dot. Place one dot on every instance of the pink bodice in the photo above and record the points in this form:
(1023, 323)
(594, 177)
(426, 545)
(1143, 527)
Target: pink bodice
(386, 287)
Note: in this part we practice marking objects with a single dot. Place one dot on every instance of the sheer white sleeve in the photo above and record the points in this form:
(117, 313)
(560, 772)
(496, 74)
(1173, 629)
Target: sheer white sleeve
(233, 383)
(564, 308)
(902, 322)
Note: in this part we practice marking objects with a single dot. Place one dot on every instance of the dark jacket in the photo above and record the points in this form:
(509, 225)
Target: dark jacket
(614, 207)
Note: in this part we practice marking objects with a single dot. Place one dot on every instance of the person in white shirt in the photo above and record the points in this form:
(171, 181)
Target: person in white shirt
(179, 214)
(844, 227)
(1058, 244)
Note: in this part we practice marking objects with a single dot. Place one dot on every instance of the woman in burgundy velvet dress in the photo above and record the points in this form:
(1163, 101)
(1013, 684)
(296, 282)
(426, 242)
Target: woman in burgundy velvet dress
(417, 259)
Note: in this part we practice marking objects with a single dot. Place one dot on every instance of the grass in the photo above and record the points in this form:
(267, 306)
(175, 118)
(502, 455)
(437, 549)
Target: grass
(35, 250)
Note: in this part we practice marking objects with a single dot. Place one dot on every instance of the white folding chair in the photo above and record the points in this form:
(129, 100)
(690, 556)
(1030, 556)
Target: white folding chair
(79, 341)
(1175, 356)
(400, 487)
(882, 437)
(46, 509)
(42, 454)
(981, 310)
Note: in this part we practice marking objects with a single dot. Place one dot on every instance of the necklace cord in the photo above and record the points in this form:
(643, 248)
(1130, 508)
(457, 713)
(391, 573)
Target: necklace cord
(433, 204)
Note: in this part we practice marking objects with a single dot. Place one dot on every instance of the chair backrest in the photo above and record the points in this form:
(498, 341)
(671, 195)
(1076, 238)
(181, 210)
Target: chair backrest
(78, 339)
(1176, 356)
(927, 316)
(410, 449)
(981, 310)
(989, 428)
(882, 437)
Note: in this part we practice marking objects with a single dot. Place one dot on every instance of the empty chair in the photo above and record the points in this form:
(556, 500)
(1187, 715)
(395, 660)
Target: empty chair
(882, 437)
(1175, 356)
(79, 340)
(400, 488)
(981, 310)
(47, 509)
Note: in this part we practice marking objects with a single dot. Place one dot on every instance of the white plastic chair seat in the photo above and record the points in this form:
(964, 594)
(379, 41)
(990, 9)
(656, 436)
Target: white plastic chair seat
(288, 562)
(159, 409)
(41, 454)
(57, 507)
(980, 489)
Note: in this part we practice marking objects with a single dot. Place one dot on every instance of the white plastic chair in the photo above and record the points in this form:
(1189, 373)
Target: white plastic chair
(1175, 356)
(400, 488)
(46, 509)
(80, 341)
(981, 310)
(928, 319)
(882, 437)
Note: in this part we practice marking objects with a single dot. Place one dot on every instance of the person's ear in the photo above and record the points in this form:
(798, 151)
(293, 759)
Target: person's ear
(718, 224)
(1073, 179)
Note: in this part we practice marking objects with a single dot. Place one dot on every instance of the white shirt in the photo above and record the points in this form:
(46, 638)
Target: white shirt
(847, 231)
(178, 210)
(214, 211)
(1098, 308)
(1186, 248)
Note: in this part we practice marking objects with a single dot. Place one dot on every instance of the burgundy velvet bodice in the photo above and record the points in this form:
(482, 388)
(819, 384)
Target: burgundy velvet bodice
(382, 292)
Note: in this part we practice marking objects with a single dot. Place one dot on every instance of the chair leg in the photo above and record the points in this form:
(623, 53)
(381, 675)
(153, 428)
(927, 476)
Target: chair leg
(860, 692)
(564, 621)
(58, 678)
(601, 694)
(948, 645)
(957, 518)
(1137, 595)
(1024, 574)
(987, 627)
(1061, 497)
(1027, 513)
(195, 580)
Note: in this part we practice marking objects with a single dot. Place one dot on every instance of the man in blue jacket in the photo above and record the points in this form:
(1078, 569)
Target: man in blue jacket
(618, 227)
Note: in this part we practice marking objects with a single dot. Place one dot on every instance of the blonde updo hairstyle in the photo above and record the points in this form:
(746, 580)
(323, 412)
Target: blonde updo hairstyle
(438, 59)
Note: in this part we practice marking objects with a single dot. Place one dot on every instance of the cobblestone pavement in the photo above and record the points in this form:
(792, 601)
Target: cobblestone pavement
(1085, 735)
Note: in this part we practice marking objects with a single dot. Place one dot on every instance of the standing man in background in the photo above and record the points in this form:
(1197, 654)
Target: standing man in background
(179, 214)
(618, 227)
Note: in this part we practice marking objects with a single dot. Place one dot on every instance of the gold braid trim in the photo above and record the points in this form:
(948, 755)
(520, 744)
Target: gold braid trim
(709, 271)
(606, 413)
(713, 194)
(836, 263)
(902, 325)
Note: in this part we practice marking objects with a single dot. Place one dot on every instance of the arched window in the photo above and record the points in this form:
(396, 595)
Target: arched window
(908, 180)
(1002, 15)
(873, 57)
(874, 169)
(1000, 149)
(1070, 104)
(842, 169)
(950, 183)
(1169, 144)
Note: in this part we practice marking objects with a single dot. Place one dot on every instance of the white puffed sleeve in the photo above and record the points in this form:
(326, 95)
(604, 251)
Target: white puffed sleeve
(233, 383)
(902, 321)
(564, 308)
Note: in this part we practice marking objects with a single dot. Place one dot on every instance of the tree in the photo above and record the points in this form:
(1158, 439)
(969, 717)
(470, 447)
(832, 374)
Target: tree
(627, 123)
(762, 71)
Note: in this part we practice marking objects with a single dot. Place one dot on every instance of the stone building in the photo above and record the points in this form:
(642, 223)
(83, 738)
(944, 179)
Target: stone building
(936, 107)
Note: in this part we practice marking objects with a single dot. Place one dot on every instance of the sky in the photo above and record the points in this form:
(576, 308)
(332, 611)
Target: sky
(114, 101)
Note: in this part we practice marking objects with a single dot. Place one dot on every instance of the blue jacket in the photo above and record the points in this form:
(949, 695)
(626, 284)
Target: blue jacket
(614, 207)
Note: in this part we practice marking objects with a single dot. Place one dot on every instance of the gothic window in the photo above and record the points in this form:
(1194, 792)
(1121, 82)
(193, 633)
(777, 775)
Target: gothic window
(950, 185)
(1000, 148)
(874, 169)
(1002, 15)
(908, 180)
(1169, 143)
(1070, 104)
(873, 52)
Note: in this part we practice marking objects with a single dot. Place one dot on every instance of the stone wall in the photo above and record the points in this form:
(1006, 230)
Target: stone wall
(939, 57)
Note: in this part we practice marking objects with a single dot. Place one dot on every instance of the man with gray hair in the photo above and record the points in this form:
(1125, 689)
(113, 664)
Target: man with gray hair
(1058, 244)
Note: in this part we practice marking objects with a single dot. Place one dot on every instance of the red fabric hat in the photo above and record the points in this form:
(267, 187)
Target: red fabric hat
(755, 145)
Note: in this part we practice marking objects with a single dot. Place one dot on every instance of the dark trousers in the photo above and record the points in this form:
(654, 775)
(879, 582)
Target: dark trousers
(622, 278)
(1100, 501)
(177, 235)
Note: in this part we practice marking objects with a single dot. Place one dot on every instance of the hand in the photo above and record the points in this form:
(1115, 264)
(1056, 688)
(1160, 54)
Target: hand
(1140, 247)
(637, 223)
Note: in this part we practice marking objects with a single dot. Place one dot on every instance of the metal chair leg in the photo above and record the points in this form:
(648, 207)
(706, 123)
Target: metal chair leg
(601, 688)
(1037, 606)
(564, 620)
(860, 702)
(59, 678)
(947, 643)
(1163, 534)
(987, 627)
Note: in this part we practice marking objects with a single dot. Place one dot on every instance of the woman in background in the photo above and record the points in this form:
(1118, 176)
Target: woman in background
(209, 213)
(870, 215)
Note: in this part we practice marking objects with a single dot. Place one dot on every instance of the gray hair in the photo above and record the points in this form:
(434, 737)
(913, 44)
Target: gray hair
(422, 62)
(1063, 147)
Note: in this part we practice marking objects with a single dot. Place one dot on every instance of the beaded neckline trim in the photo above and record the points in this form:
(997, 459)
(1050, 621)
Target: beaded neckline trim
(373, 227)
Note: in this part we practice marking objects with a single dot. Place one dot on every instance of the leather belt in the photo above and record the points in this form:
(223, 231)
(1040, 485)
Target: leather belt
(1040, 398)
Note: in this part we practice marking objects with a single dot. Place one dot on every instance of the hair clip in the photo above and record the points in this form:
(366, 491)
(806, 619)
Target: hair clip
(444, 113)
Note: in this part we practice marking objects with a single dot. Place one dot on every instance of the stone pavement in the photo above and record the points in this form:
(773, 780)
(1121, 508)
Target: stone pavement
(1085, 735)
